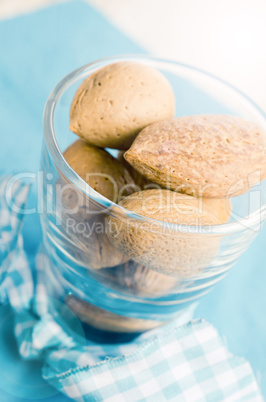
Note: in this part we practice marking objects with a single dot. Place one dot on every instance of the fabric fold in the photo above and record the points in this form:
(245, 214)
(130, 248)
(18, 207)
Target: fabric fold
(186, 363)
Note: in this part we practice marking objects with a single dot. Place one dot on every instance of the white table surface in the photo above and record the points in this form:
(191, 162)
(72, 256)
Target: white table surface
(224, 37)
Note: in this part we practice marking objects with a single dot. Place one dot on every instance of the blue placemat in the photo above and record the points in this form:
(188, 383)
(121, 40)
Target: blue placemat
(174, 362)
(36, 51)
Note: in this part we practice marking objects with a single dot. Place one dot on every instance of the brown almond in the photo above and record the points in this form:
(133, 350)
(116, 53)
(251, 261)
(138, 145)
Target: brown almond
(112, 105)
(106, 320)
(159, 246)
(105, 174)
(135, 279)
(141, 182)
(82, 219)
(213, 156)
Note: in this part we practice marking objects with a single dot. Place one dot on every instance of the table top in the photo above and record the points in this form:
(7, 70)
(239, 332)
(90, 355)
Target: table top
(223, 38)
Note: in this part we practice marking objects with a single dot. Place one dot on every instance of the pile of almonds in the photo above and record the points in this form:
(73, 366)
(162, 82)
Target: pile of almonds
(174, 170)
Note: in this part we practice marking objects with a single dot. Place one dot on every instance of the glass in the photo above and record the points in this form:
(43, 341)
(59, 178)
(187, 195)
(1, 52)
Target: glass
(104, 287)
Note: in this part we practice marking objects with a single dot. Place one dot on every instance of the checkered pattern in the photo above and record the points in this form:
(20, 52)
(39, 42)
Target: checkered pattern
(186, 363)
(13, 195)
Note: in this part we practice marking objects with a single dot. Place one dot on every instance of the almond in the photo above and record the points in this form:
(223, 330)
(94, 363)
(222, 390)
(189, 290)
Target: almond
(112, 105)
(160, 247)
(213, 156)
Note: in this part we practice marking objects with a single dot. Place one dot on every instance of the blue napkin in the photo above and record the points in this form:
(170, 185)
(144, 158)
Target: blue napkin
(184, 363)
(36, 51)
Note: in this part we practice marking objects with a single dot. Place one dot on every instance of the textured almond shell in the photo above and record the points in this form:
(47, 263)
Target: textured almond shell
(107, 321)
(135, 279)
(209, 156)
(88, 233)
(87, 238)
(105, 174)
(142, 183)
(176, 254)
(112, 105)
(220, 207)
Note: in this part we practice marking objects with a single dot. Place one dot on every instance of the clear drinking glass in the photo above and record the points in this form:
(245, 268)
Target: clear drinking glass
(103, 286)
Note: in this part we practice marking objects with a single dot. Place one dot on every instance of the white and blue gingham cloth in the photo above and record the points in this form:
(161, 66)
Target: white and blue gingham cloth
(185, 363)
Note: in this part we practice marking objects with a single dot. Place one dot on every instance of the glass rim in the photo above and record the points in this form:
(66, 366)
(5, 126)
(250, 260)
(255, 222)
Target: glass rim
(257, 217)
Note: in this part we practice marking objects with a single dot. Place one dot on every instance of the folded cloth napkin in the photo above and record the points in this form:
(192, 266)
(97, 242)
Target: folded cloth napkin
(179, 363)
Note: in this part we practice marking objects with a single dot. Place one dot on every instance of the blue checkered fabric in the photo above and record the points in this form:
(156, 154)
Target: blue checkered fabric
(178, 363)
